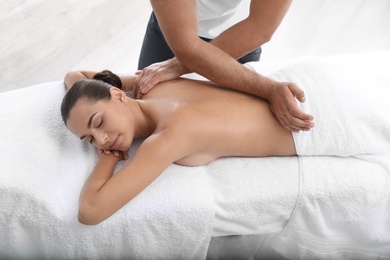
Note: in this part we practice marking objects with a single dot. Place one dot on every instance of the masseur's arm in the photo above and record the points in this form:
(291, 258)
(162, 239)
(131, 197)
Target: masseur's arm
(178, 21)
(264, 18)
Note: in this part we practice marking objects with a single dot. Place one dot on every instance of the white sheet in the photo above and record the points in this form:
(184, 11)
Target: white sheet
(342, 210)
(43, 167)
(253, 195)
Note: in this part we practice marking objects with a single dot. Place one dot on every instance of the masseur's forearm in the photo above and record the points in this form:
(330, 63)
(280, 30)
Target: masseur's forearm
(214, 64)
(90, 199)
(254, 31)
(178, 21)
(240, 39)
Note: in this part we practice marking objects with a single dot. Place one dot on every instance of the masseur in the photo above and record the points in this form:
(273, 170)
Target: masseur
(234, 34)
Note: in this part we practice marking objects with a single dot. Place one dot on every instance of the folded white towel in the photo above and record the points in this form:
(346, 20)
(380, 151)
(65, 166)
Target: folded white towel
(349, 99)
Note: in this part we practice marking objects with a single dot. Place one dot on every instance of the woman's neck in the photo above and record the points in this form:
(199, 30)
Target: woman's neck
(144, 126)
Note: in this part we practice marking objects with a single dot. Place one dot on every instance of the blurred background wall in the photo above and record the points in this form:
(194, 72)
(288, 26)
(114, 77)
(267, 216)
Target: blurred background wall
(40, 40)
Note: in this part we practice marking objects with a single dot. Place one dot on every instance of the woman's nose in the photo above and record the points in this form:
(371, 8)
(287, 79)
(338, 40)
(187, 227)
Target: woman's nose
(101, 139)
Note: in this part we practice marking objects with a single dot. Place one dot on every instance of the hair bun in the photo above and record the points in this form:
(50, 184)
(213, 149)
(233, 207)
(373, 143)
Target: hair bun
(109, 77)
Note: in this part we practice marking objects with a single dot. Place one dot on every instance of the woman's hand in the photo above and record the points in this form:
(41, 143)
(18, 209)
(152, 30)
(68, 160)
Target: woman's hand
(156, 73)
(282, 98)
(119, 154)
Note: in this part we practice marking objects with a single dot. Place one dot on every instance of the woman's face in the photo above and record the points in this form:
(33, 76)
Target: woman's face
(107, 124)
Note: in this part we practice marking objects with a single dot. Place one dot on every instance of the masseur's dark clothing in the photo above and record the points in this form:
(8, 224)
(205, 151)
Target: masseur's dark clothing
(155, 48)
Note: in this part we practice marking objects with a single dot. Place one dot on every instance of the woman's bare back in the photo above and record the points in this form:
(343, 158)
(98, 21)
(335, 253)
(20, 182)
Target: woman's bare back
(218, 122)
(187, 122)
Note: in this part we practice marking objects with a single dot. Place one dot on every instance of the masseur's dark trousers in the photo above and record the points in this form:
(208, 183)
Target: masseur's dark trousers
(155, 48)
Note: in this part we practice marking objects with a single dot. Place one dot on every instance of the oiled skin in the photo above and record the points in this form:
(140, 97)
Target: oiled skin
(183, 121)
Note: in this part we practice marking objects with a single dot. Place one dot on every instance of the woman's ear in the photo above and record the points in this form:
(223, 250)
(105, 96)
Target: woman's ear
(118, 94)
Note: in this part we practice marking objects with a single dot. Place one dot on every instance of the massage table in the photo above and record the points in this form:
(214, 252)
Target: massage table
(328, 203)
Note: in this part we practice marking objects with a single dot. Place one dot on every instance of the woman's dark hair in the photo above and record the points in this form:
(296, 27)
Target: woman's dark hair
(91, 90)
(109, 77)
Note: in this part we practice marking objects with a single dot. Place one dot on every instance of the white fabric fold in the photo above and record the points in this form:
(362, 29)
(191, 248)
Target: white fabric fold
(253, 195)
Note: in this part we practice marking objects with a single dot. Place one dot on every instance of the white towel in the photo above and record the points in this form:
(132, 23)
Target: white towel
(43, 167)
(343, 211)
(349, 98)
(253, 195)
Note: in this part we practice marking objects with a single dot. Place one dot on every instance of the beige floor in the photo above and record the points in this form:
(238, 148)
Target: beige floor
(40, 40)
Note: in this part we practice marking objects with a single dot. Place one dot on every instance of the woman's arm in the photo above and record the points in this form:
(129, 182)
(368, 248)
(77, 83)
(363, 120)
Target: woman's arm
(103, 193)
(99, 176)
(72, 76)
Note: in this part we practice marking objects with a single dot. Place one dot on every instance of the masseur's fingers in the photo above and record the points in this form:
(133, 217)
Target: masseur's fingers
(143, 81)
(148, 82)
(285, 124)
(156, 73)
(299, 118)
(285, 108)
(296, 118)
(297, 92)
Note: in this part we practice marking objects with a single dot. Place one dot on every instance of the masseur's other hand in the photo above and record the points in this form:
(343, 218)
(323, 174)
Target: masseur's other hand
(156, 73)
(119, 154)
(282, 98)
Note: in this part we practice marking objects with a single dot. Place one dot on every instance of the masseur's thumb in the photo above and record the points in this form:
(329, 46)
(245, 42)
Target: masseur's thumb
(297, 92)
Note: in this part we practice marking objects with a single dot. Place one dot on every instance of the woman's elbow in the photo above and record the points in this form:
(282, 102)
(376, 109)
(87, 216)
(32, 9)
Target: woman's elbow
(68, 79)
(88, 216)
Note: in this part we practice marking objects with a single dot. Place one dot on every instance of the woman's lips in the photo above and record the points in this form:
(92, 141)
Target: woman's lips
(114, 142)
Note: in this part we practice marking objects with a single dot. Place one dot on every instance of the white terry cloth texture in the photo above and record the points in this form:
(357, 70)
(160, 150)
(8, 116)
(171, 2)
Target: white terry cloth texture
(253, 195)
(343, 211)
(349, 99)
(43, 167)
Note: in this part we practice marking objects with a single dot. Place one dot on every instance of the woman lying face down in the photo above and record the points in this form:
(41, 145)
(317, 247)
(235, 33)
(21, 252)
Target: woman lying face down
(183, 121)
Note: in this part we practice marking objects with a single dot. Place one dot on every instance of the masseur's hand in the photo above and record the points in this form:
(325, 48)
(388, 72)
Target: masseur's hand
(282, 98)
(156, 73)
(119, 154)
